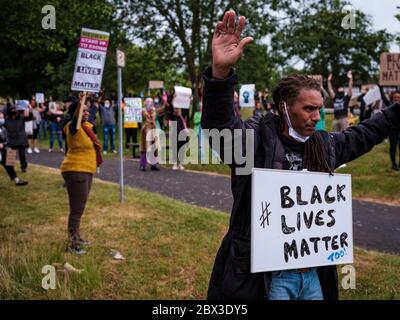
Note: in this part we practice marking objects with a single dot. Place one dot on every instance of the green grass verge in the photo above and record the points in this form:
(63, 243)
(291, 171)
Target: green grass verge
(170, 246)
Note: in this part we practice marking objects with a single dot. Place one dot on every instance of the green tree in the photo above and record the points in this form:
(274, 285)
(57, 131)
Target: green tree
(33, 58)
(314, 35)
(189, 25)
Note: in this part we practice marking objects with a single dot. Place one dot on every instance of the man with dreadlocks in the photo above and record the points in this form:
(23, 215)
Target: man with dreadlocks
(287, 141)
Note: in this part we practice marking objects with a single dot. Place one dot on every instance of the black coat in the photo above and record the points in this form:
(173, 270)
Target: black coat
(16, 130)
(231, 277)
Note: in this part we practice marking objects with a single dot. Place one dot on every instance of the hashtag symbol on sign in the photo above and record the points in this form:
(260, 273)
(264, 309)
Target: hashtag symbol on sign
(265, 214)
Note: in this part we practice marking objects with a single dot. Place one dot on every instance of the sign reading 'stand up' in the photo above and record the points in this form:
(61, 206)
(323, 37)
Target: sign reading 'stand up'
(300, 220)
(90, 60)
(390, 69)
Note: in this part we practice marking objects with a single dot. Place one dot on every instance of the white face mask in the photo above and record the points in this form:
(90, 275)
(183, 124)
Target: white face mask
(293, 133)
(156, 101)
(107, 105)
(2, 121)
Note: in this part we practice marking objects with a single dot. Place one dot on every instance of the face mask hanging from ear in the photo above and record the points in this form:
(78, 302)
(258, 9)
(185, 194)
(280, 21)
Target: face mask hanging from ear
(293, 133)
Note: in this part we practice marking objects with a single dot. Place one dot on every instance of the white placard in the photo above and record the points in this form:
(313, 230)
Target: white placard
(39, 97)
(372, 95)
(246, 99)
(52, 107)
(133, 110)
(182, 98)
(300, 219)
(21, 105)
(90, 60)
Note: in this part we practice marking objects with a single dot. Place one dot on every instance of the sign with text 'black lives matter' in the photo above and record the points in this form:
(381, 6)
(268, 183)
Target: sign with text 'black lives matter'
(90, 60)
(300, 219)
(390, 69)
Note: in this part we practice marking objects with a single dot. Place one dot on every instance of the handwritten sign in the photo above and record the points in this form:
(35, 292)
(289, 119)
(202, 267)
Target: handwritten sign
(90, 60)
(300, 220)
(133, 110)
(182, 97)
(246, 99)
(39, 97)
(390, 69)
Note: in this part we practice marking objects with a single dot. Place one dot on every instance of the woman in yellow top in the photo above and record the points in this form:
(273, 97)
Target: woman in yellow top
(79, 165)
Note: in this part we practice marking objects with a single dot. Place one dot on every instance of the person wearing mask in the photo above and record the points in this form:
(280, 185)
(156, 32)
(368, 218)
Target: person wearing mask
(80, 164)
(148, 136)
(107, 114)
(340, 103)
(56, 128)
(3, 154)
(287, 141)
(15, 126)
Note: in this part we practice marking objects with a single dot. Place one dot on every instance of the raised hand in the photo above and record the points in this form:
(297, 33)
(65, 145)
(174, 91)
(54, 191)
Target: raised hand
(350, 74)
(227, 47)
(330, 77)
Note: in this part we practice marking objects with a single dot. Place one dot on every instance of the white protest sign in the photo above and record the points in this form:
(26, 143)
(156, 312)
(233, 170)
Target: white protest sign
(246, 99)
(21, 105)
(182, 97)
(300, 220)
(372, 95)
(90, 60)
(39, 97)
(133, 110)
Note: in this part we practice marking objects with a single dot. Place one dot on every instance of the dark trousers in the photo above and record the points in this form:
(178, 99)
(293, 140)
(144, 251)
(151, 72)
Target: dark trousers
(10, 169)
(78, 186)
(22, 157)
(394, 141)
(130, 133)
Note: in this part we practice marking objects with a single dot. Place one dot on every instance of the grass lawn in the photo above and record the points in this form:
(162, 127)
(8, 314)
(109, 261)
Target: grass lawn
(169, 246)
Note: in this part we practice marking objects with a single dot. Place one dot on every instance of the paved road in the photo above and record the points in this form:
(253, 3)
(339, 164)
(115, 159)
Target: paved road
(376, 226)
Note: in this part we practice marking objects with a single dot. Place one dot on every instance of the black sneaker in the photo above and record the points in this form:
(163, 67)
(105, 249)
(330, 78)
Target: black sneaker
(395, 167)
(23, 170)
(155, 168)
(20, 183)
(142, 168)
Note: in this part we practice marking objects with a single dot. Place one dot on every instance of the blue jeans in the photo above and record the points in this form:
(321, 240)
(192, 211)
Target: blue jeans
(292, 285)
(56, 129)
(108, 130)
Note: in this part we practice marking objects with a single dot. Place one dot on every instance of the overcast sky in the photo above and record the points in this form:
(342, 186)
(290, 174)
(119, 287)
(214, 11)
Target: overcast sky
(382, 12)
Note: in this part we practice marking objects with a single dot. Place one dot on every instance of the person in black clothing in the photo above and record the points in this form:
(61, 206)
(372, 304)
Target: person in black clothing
(298, 100)
(394, 136)
(17, 138)
(340, 103)
(3, 154)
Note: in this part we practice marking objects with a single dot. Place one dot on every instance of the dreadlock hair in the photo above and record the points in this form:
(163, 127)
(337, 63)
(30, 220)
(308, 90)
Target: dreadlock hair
(288, 90)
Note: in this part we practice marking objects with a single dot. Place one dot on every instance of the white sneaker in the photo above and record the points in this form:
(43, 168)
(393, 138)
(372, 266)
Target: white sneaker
(104, 152)
(181, 167)
(36, 150)
(50, 150)
(115, 151)
(175, 167)
(29, 150)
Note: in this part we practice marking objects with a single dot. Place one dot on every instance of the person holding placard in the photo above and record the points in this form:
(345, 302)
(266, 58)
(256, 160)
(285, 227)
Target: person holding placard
(286, 141)
(15, 125)
(80, 164)
(3, 154)
(148, 136)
